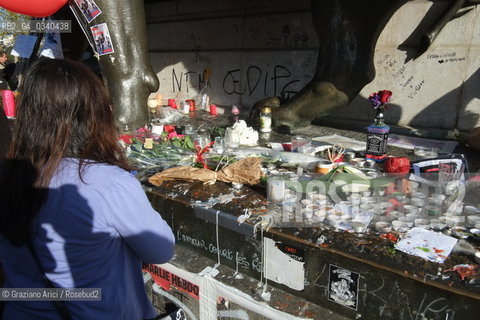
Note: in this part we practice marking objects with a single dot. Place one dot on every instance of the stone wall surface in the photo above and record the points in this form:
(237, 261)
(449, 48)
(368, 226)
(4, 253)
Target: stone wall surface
(257, 49)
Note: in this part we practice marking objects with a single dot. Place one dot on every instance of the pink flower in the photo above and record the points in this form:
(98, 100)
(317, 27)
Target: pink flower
(142, 129)
(174, 134)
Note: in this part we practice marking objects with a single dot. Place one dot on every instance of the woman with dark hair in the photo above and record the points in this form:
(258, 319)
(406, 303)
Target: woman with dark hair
(65, 191)
(5, 135)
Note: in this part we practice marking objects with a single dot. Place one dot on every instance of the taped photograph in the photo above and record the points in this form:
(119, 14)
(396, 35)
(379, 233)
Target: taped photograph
(89, 9)
(102, 39)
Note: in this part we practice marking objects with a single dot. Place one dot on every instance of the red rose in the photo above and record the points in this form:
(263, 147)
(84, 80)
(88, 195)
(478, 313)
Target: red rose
(385, 96)
(126, 138)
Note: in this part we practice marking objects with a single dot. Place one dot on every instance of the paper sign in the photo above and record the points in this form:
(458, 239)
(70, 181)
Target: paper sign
(432, 246)
(286, 268)
(24, 46)
(102, 39)
(53, 46)
(89, 9)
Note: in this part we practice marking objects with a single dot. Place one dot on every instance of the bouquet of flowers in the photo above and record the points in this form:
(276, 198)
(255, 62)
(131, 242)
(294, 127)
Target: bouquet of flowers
(380, 99)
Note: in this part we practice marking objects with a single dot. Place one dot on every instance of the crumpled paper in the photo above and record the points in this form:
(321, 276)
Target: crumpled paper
(245, 171)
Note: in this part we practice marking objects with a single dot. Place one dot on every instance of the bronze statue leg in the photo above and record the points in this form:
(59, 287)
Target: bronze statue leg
(347, 32)
(127, 72)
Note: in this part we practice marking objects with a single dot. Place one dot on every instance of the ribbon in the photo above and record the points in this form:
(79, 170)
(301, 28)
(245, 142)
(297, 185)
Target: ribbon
(199, 154)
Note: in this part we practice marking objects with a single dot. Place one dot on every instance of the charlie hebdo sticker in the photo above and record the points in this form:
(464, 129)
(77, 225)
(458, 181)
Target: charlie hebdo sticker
(102, 39)
(89, 9)
(343, 287)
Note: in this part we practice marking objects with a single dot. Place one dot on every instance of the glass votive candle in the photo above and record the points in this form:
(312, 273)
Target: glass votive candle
(219, 145)
(473, 220)
(157, 129)
(334, 220)
(418, 202)
(422, 223)
(343, 206)
(367, 207)
(367, 200)
(308, 214)
(232, 140)
(299, 141)
(319, 215)
(189, 130)
(399, 226)
(407, 220)
(470, 210)
(383, 226)
(450, 221)
(386, 205)
(358, 226)
(388, 218)
(355, 201)
(419, 195)
(288, 206)
(414, 185)
(202, 142)
(378, 209)
(307, 202)
(396, 214)
(317, 197)
(413, 216)
(367, 193)
(275, 188)
(438, 197)
(437, 224)
(432, 210)
(410, 209)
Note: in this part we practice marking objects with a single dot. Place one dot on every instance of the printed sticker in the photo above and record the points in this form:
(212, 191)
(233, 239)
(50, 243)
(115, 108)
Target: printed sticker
(89, 9)
(102, 39)
(343, 287)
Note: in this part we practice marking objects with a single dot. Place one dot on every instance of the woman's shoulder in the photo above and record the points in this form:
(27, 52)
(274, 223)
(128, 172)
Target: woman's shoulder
(95, 173)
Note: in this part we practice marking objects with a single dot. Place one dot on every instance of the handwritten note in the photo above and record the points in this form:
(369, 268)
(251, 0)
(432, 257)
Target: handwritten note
(429, 245)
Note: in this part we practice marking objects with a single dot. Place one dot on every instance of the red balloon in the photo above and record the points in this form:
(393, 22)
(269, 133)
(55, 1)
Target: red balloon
(33, 8)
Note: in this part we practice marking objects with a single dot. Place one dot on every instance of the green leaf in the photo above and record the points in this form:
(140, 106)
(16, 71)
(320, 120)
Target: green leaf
(189, 143)
(381, 182)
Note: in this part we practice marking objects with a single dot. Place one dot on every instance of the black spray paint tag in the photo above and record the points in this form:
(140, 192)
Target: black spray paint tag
(343, 287)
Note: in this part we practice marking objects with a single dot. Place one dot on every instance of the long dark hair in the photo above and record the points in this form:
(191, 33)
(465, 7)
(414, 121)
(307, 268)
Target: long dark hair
(63, 111)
